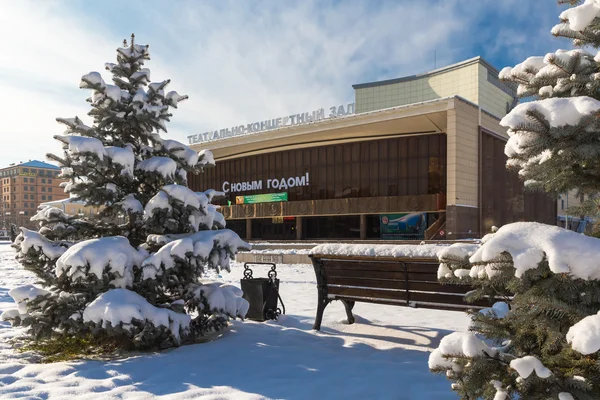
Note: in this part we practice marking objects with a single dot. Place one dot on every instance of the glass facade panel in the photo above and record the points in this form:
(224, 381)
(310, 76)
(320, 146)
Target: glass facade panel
(387, 167)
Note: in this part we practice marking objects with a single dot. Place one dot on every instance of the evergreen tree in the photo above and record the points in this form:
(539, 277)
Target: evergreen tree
(541, 338)
(133, 271)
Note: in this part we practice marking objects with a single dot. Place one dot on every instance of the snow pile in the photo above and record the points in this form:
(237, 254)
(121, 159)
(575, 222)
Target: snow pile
(458, 344)
(584, 336)
(92, 257)
(119, 307)
(123, 156)
(222, 297)
(379, 250)
(165, 166)
(203, 246)
(33, 240)
(580, 17)
(81, 145)
(528, 243)
(526, 365)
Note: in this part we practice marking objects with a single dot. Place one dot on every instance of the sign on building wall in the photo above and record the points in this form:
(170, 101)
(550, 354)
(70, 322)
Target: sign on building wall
(272, 183)
(261, 198)
(402, 226)
(275, 123)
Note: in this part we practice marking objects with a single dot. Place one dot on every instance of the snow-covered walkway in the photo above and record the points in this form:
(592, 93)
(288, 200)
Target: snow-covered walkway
(382, 356)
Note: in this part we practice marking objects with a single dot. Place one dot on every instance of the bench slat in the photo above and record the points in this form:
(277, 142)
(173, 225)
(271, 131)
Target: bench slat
(381, 266)
(396, 275)
(430, 297)
(396, 284)
(436, 306)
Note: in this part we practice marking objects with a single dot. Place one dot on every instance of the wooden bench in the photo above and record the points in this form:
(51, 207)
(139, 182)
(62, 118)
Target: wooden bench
(410, 282)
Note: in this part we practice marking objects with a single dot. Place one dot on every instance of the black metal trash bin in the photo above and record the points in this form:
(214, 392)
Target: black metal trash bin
(261, 293)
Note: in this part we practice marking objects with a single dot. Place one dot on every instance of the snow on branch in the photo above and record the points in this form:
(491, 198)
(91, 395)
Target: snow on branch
(95, 256)
(122, 156)
(130, 204)
(584, 336)
(50, 214)
(24, 294)
(82, 145)
(33, 240)
(580, 17)
(558, 112)
(75, 125)
(526, 365)
(121, 307)
(212, 194)
(206, 158)
(220, 297)
(528, 243)
(214, 247)
(165, 166)
(181, 151)
(458, 345)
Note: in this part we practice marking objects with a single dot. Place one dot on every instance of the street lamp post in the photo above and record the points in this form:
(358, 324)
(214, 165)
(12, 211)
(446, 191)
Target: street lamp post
(21, 214)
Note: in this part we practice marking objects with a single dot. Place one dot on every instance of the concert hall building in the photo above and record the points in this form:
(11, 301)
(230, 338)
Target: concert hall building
(419, 157)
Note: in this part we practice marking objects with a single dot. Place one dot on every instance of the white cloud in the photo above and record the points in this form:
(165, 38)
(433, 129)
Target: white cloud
(238, 61)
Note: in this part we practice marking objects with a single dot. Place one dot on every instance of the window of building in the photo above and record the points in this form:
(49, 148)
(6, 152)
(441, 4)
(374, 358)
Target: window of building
(25, 188)
(25, 180)
(43, 197)
(25, 205)
(49, 189)
(26, 196)
(49, 180)
(562, 204)
(33, 170)
(32, 205)
(31, 188)
(43, 189)
(25, 170)
(43, 180)
(15, 205)
(26, 212)
(49, 197)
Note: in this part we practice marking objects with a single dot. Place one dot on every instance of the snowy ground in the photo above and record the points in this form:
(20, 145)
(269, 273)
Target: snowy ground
(382, 356)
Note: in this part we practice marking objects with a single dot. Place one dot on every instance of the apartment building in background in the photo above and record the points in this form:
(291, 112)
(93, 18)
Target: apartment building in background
(23, 187)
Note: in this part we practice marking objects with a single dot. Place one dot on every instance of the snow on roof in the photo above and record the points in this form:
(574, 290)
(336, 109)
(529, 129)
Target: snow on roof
(34, 164)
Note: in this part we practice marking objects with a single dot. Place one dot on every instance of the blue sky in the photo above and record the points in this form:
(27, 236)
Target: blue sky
(243, 61)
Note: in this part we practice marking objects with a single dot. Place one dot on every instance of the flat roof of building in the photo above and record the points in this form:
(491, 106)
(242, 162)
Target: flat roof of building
(447, 68)
(33, 164)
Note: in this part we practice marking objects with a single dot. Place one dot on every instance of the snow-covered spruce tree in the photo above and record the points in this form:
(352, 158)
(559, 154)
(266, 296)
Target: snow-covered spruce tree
(543, 342)
(520, 347)
(561, 154)
(133, 271)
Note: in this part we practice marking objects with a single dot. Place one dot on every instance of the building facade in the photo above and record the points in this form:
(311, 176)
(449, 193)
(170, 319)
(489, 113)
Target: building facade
(421, 158)
(23, 187)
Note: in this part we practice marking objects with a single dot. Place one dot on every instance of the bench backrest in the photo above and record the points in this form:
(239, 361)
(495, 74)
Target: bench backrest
(408, 282)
